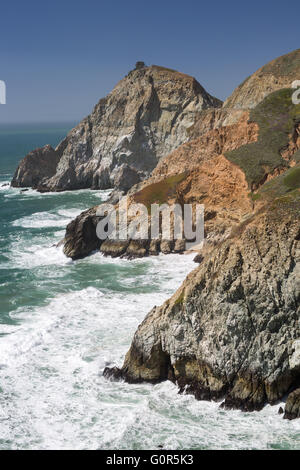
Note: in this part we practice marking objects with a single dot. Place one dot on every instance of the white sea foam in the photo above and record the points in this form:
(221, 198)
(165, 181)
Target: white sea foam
(42, 220)
(54, 395)
(32, 193)
(38, 255)
(4, 185)
(42, 250)
(52, 367)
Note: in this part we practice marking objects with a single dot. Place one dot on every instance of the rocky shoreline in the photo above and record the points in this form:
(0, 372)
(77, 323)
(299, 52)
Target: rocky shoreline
(232, 330)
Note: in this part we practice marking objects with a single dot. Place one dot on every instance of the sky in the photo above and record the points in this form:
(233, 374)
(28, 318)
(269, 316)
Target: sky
(59, 58)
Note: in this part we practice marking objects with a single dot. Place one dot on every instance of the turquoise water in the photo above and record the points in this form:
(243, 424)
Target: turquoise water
(62, 322)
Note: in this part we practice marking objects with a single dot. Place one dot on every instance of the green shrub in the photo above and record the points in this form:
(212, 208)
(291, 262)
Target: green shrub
(276, 117)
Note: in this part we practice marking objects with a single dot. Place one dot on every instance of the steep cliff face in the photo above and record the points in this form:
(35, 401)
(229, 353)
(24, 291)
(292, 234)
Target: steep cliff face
(144, 118)
(232, 330)
(38, 164)
(196, 151)
(193, 173)
(222, 170)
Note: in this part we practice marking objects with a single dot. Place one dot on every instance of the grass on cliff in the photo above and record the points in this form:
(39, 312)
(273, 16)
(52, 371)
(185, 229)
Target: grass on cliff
(159, 192)
(283, 192)
(281, 185)
(288, 64)
(276, 116)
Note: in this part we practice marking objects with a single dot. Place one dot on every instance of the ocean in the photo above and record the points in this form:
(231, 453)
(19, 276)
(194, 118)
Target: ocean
(62, 322)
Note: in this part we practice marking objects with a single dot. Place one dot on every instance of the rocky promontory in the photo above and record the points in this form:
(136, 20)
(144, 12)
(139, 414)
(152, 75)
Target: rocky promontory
(232, 330)
(222, 169)
(144, 118)
(229, 153)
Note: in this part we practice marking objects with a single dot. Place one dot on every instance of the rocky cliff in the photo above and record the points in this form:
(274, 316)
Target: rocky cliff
(145, 117)
(221, 169)
(277, 74)
(230, 152)
(232, 330)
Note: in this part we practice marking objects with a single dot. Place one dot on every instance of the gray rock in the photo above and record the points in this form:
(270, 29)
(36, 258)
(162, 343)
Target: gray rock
(37, 165)
(81, 237)
(292, 406)
(125, 177)
(232, 330)
(144, 118)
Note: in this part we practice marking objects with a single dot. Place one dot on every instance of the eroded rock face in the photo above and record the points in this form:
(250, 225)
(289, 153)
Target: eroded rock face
(232, 328)
(81, 237)
(195, 152)
(37, 165)
(198, 172)
(292, 406)
(209, 179)
(144, 118)
(125, 177)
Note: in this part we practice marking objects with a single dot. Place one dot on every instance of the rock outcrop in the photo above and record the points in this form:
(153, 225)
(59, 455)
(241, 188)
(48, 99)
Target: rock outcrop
(277, 74)
(292, 406)
(232, 330)
(38, 164)
(221, 169)
(145, 117)
(81, 238)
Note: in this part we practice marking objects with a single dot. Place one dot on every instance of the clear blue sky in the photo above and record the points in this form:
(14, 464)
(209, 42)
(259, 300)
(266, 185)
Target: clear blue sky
(59, 58)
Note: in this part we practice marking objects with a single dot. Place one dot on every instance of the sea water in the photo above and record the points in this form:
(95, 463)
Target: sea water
(63, 322)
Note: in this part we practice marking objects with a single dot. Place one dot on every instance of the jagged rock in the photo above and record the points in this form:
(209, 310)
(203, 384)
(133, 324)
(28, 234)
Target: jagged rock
(37, 165)
(114, 248)
(81, 240)
(292, 406)
(252, 154)
(144, 118)
(140, 65)
(167, 246)
(199, 258)
(125, 177)
(81, 237)
(232, 330)
(193, 153)
(179, 246)
(154, 247)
